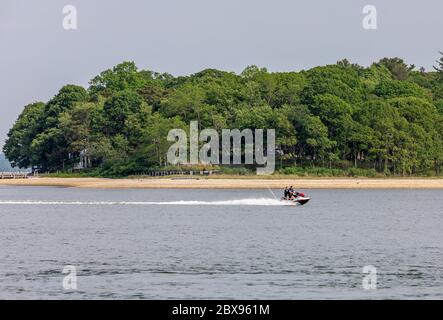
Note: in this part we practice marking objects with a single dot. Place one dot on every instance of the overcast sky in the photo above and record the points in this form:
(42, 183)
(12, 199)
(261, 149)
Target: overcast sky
(181, 37)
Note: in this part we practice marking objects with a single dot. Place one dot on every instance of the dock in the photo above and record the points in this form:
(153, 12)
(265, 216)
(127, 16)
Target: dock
(166, 173)
(13, 175)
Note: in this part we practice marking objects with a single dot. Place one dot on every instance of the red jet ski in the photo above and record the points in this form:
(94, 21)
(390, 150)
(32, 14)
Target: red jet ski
(298, 198)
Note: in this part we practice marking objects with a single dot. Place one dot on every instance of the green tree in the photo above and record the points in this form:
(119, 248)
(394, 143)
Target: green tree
(439, 67)
(155, 146)
(398, 68)
(50, 147)
(118, 108)
(121, 77)
(17, 147)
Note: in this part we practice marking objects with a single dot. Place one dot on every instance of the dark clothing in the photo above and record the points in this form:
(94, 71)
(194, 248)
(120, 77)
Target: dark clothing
(290, 193)
(286, 193)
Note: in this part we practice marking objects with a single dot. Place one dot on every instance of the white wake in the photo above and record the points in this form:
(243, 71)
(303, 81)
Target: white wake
(238, 202)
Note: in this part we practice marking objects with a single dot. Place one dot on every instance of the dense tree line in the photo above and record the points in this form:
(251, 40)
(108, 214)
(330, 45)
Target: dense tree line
(388, 117)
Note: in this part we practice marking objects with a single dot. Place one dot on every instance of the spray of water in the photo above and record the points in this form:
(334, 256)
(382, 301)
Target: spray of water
(237, 202)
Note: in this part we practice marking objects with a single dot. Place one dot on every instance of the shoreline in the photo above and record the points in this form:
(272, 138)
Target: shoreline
(230, 183)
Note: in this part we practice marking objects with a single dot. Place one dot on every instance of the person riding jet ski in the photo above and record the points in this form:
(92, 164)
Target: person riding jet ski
(294, 196)
(289, 193)
(286, 193)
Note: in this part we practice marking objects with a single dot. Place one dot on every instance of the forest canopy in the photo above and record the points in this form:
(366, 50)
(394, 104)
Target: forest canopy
(387, 117)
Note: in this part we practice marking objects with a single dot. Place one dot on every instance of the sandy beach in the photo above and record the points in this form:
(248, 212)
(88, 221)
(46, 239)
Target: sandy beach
(231, 183)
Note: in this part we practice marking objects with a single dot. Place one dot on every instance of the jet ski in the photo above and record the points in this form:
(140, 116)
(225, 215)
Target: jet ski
(300, 199)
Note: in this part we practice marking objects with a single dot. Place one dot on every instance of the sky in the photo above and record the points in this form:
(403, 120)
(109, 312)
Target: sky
(181, 37)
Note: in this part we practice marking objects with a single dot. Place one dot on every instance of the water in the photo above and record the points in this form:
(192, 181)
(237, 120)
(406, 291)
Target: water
(233, 244)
